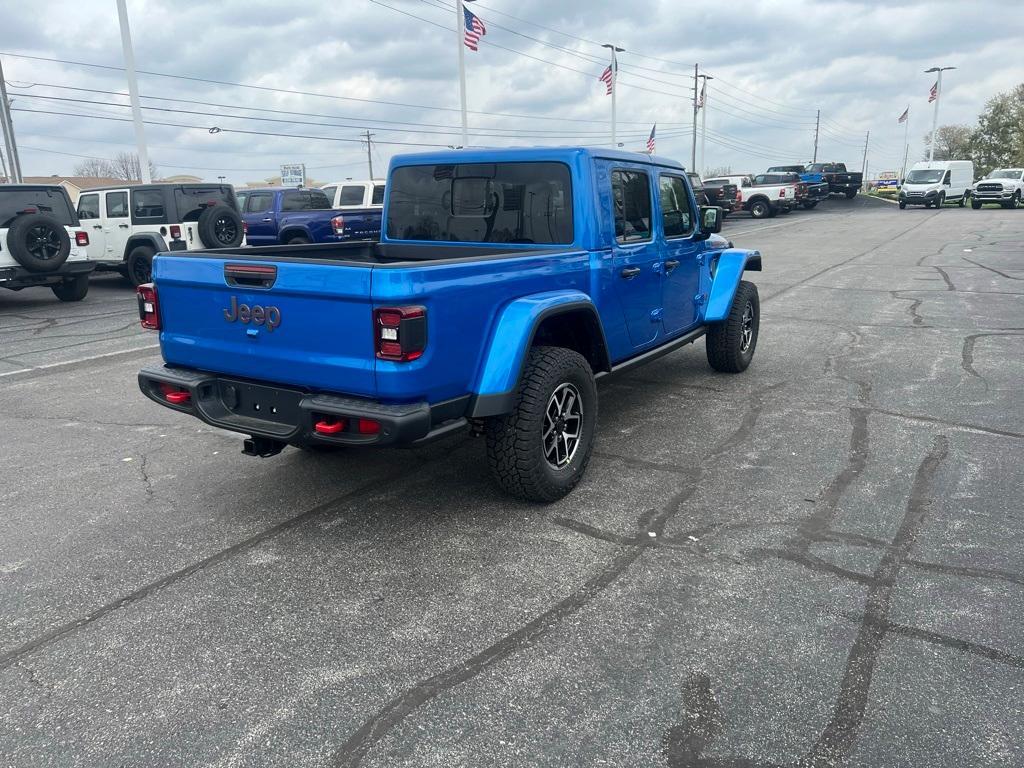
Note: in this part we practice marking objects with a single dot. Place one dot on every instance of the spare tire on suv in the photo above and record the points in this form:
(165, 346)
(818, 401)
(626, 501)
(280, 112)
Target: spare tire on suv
(38, 242)
(220, 226)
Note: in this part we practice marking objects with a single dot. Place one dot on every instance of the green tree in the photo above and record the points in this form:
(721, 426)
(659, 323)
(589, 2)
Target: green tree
(952, 142)
(998, 141)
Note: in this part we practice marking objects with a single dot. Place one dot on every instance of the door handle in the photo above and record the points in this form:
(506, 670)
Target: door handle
(630, 272)
(670, 265)
(97, 226)
(123, 226)
(266, 221)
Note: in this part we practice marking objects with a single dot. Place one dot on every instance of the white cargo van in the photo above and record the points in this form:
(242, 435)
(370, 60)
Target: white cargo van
(938, 183)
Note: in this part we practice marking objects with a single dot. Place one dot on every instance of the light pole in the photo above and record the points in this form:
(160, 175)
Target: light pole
(615, 76)
(935, 115)
(460, 34)
(221, 179)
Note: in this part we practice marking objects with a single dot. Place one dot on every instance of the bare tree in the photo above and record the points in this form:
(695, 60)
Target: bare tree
(94, 167)
(126, 166)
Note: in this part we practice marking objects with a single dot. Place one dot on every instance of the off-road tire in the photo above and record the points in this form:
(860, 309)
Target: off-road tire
(725, 340)
(74, 289)
(139, 265)
(515, 447)
(220, 226)
(811, 205)
(851, 193)
(760, 209)
(38, 242)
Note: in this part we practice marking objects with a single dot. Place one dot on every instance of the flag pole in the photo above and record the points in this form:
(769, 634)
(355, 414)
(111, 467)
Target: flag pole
(935, 114)
(615, 76)
(133, 92)
(906, 144)
(460, 34)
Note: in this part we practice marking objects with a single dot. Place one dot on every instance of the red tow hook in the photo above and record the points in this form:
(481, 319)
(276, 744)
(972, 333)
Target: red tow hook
(326, 427)
(174, 395)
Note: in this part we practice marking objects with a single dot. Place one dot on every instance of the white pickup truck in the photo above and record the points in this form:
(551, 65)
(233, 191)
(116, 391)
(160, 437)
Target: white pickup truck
(762, 200)
(355, 194)
(1003, 185)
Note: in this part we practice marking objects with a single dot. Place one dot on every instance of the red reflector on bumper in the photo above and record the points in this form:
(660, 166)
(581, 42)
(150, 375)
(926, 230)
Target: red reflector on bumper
(178, 397)
(326, 427)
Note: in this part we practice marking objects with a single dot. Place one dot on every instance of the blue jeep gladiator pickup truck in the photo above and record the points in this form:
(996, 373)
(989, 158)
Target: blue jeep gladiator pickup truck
(289, 216)
(506, 282)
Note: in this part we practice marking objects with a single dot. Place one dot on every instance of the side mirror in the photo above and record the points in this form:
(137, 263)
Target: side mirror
(710, 220)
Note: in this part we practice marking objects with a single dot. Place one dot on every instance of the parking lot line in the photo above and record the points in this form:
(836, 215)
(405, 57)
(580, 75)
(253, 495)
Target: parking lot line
(77, 360)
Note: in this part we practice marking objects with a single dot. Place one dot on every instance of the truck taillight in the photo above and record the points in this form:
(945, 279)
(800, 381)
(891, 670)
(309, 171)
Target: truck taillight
(782, 192)
(81, 239)
(400, 333)
(338, 225)
(149, 309)
(739, 196)
(175, 231)
(245, 228)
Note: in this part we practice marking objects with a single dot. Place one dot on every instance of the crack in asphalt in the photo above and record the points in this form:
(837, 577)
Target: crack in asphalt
(967, 353)
(945, 277)
(685, 743)
(915, 318)
(991, 269)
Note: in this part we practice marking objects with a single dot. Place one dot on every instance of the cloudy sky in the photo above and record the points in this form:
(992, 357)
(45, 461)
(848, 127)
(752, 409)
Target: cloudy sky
(318, 74)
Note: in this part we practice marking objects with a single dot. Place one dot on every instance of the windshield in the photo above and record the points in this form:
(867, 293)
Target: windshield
(51, 202)
(1010, 173)
(925, 177)
(481, 203)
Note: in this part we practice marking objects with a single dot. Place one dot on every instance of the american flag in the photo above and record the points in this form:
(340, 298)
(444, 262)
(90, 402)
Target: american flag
(933, 94)
(650, 140)
(904, 116)
(475, 29)
(700, 99)
(607, 78)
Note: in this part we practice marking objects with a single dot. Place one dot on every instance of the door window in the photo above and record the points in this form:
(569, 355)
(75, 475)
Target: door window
(351, 195)
(259, 202)
(631, 198)
(89, 207)
(676, 213)
(117, 205)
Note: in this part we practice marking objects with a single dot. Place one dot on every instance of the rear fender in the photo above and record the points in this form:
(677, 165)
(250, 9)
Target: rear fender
(505, 355)
(729, 270)
(148, 239)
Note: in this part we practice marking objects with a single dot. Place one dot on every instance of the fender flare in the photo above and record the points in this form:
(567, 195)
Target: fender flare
(504, 359)
(729, 268)
(294, 229)
(144, 238)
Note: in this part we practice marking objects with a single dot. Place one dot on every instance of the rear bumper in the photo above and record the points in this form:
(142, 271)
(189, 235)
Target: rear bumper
(289, 415)
(19, 277)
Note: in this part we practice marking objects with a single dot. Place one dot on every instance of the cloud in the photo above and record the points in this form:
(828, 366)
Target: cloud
(774, 64)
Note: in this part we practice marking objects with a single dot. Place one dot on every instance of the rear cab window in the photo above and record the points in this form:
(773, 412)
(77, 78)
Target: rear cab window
(305, 200)
(191, 201)
(351, 195)
(631, 200)
(50, 202)
(518, 202)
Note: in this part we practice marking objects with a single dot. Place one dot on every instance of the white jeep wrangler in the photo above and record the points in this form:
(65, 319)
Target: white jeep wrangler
(40, 243)
(129, 225)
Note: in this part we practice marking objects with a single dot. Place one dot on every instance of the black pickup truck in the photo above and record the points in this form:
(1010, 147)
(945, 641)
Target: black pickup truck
(815, 187)
(723, 195)
(840, 180)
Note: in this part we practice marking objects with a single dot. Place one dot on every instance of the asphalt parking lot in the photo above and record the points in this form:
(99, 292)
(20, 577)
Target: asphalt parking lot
(818, 562)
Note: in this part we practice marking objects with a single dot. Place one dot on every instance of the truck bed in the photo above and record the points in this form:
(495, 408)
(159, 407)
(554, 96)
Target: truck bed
(367, 252)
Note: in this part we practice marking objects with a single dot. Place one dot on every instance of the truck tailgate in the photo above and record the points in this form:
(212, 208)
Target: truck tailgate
(287, 322)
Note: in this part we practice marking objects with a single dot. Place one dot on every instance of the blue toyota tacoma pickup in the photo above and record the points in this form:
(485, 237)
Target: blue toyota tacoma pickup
(506, 283)
(289, 216)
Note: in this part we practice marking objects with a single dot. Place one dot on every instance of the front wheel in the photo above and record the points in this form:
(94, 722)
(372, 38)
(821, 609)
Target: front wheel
(942, 200)
(963, 200)
(903, 205)
(731, 343)
(976, 205)
(72, 290)
(851, 193)
(298, 240)
(539, 451)
(1015, 200)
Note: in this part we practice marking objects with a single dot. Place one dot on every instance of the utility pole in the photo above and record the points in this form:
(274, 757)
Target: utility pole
(864, 166)
(133, 91)
(693, 147)
(935, 115)
(817, 126)
(614, 83)
(369, 155)
(13, 161)
(906, 145)
(703, 123)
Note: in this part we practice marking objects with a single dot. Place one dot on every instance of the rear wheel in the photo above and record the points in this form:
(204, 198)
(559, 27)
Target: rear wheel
(759, 209)
(298, 240)
(809, 205)
(140, 265)
(851, 193)
(731, 343)
(74, 289)
(540, 450)
(942, 200)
